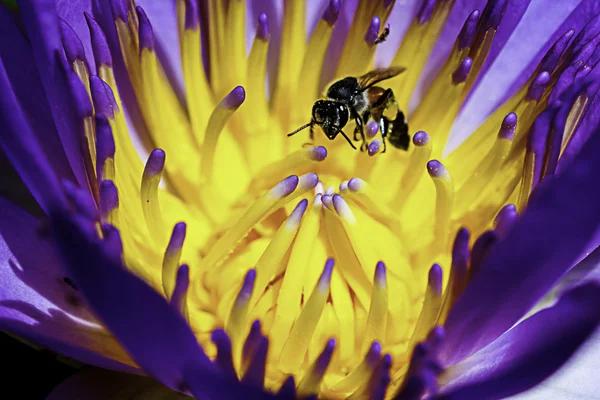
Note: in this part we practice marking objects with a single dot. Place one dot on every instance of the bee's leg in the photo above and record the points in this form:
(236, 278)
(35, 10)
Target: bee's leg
(384, 126)
(384, 34)
(312, 132)
(347, 139)
(360, 129)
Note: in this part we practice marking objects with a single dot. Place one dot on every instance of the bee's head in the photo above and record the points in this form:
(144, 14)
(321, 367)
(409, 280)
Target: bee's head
(331, 116)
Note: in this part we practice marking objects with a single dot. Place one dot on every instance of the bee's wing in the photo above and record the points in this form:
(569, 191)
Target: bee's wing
(377, 75)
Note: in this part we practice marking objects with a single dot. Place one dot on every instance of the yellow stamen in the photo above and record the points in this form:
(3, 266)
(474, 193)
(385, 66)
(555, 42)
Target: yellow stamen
(444, 199)
(414, 171)
(296, 346)
(278, 246)
(290, 295)
(378, 310)
(361, 373)
(431, 306)
(311, 383)
(172, 258)
(236, 323)
(219, 117)
(149, 193)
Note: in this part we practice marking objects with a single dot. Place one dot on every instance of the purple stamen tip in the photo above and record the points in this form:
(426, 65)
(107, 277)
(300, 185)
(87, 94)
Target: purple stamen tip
(156, 162)
(538, 86)
(177, 237)
(421, 138)
(309, 181)
(83, 105)
(375, 350)
(505, 219)
(235, 98)
(466, 35)
(462, 71)
(287, 186)
(192, 16)
(435, 169)
(298, 212)
(145, 30)
(262, 30)
(71, 42)
(492, 14)
(119, 9)
(374, 147)
(99, 44)
(105, 143)
(509, 126)
(355, 184)
(220, 338)
(102, 102)
(380, 273)
(435, 279)
(330, 346)
(109, 197)
(436, 336)
(248, 285)
(426, 11)
(327, 201)
(328, 269)
(331, 12)
(387, 3)
(318, 153)
(550, 59)
(372, 128)
(373, 31)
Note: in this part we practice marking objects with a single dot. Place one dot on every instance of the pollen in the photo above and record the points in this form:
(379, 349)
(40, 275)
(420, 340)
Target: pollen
(299, 262)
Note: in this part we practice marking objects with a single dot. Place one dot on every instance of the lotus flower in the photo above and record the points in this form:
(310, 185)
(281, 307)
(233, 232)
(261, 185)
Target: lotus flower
(164, 224)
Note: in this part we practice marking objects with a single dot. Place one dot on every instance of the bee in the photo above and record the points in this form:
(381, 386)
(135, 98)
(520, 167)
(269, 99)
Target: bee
(359, 99)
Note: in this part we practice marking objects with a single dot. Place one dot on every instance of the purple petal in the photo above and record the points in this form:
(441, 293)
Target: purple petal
(550, 237)
(518, 58)
(24, 152)
(152, 332)
(41, 22)
(25, 81)
(71, 11)
(40, 302)
(530, 352)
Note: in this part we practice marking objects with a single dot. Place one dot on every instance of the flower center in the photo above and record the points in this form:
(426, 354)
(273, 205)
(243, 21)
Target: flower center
(324, 249)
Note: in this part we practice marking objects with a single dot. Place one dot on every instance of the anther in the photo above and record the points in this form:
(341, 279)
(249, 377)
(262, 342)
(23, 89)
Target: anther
(461, 73)
(374, 147)
(71, 43)
(378, 310)
(192, 15)
(149, 192)
(105, 149)
(239, 310)
(373, 31)
(109, 202)
(182, 283)
(372, 129)
(505, 219)
(467, 33)
(426, 11)
(172, 257)
(311, 383)
(146, 33)
(538, 86)
(330, 15)
(262, 30)
(104, 103)
(296, 346)
(343, 209)
(224, 359)
(100, 47)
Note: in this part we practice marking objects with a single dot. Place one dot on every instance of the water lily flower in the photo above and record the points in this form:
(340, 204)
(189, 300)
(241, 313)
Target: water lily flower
(171, 228)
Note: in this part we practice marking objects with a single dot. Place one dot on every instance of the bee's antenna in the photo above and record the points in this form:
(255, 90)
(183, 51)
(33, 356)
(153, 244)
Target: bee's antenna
(301, 128)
